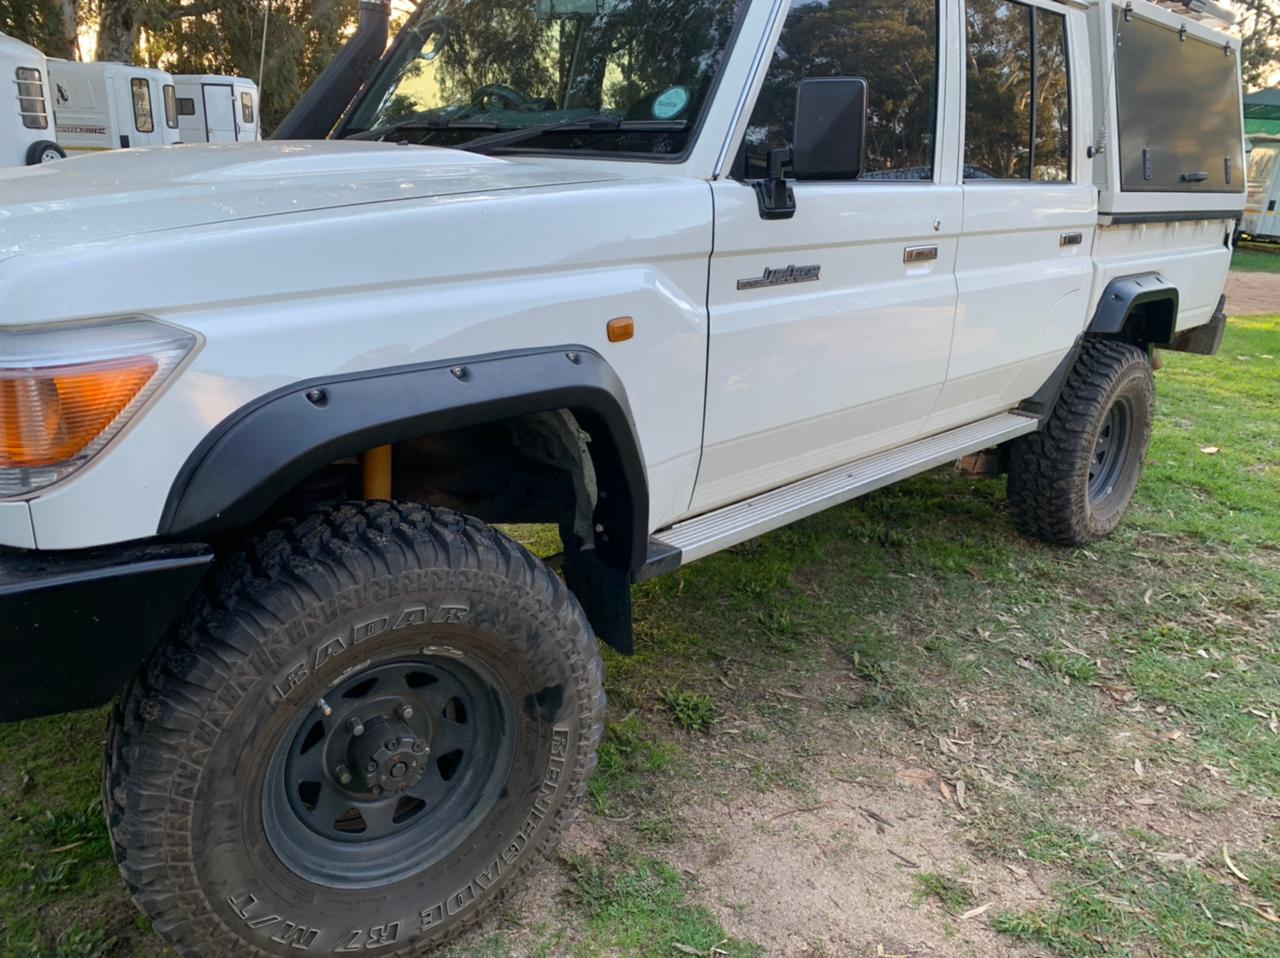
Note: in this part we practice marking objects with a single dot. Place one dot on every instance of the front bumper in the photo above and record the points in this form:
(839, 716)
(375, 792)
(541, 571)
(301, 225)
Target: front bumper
(75, 626)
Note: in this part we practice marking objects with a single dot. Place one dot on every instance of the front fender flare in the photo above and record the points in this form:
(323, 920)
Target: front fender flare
(270, 445)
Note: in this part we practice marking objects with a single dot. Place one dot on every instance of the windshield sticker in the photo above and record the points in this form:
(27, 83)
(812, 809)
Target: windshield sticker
(671, 104)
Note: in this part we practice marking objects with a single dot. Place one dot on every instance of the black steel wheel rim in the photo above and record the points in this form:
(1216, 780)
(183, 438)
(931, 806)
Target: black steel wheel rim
(1110, 452)
(390, 771)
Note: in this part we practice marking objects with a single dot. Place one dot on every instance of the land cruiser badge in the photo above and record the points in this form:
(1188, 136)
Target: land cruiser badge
(783, 277)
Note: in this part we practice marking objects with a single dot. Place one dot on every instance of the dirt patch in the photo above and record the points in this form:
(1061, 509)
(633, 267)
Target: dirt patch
(1253, 294)
(837, 876)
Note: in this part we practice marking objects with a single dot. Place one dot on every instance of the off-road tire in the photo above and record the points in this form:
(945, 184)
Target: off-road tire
(188, 744)
(1049, 470)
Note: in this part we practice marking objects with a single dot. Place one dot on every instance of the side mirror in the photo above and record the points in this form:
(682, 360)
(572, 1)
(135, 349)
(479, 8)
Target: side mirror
(831, 128)
(830, 140)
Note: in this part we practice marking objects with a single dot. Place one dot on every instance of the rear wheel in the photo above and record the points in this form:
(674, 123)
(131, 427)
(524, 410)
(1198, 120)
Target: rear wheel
(381, 718)
(1072, 482)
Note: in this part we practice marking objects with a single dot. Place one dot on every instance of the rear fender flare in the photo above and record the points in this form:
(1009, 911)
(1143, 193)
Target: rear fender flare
(1141, 309)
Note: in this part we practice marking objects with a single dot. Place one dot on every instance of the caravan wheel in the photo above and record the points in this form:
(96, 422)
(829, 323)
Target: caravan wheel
(44, 151)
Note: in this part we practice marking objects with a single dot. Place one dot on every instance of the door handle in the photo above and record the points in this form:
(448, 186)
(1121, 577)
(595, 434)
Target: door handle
(1071, 239)
(920, 254)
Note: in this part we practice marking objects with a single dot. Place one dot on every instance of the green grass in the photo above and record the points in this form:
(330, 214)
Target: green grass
(638, 906)
(951, 893)
(1256, 259)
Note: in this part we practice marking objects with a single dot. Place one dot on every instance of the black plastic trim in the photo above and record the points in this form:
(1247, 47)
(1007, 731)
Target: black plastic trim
(663, 559)
(266, 448)
(1041, 405)
(74, 626)
(1176, 216)
(1124, 294)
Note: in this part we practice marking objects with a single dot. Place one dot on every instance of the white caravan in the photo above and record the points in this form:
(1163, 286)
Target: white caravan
(1261, 216)
(217, 109)
(26, 129)
(108, 106)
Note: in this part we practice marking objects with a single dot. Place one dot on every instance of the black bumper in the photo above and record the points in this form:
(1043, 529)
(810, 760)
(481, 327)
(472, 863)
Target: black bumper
(75, 626)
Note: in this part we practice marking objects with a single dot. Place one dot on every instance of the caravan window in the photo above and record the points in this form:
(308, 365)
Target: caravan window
(143, 118)
(246, 107)
(31, 98)
(1018, 94)
(170, 106)
(1178, 102)
(186, 106)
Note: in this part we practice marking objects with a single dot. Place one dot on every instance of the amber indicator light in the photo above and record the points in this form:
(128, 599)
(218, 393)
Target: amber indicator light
(621, 329)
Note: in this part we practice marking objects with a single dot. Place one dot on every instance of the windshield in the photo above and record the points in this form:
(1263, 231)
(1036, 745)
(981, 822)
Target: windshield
(614, 76)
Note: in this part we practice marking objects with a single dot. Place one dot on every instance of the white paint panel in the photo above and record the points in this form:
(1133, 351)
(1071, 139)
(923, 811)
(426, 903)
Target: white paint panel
(803, 377)
(15, 526)
(286, 298)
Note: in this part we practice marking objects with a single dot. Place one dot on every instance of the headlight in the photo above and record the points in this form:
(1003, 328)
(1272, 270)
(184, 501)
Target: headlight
(66, 391)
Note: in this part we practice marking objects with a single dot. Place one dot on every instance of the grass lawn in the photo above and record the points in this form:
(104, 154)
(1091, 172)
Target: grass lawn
(1257, 258)
(895, 728)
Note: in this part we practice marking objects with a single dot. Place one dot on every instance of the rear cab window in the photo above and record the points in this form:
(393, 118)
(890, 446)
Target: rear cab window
(246, 107)
(1017, 94)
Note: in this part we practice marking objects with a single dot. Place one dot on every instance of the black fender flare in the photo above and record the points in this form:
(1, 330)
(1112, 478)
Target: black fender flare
(1146, 297)
(267, 447)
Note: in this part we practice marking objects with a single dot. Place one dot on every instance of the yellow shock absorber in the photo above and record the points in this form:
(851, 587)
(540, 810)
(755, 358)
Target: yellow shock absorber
(375, 468)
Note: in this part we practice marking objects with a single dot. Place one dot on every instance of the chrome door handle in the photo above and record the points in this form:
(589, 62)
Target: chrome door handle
(920, 254)
(1071, 239)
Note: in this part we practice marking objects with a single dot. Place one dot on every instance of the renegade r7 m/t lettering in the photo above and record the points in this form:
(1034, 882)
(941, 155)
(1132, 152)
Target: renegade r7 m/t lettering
(665, 274)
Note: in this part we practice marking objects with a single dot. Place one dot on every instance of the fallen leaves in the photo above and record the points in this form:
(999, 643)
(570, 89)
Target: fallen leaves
(1226, 857)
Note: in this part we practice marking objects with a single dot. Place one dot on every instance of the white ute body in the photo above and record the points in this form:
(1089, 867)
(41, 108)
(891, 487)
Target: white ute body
(753, 404)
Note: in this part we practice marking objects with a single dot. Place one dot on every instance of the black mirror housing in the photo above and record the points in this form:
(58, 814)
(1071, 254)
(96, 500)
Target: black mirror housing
(830, 128)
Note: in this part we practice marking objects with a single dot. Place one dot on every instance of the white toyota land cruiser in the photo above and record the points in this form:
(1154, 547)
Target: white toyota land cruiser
(667, 274)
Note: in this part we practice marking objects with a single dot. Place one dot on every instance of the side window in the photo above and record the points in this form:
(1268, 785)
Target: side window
(31, 98)
(186, 106)
(246, 107)
(1018, 93)
(170, 106)
(893, 45)
(143, 118)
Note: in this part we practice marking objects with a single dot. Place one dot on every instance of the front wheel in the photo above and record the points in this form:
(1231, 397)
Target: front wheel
(1071, 483)
(382, 717)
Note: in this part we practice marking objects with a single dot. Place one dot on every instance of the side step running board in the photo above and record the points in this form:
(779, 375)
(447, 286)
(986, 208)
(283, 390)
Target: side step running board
(728, 526)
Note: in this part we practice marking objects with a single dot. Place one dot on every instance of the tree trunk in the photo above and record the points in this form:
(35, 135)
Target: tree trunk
(117, 30)
(66, 46)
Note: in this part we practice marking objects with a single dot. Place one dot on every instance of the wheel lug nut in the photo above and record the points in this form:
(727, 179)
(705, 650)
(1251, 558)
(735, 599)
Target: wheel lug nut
(356, 727)
(420, 748)
(371, 767)
(344, 776)
(405, 712)
(377, 789)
